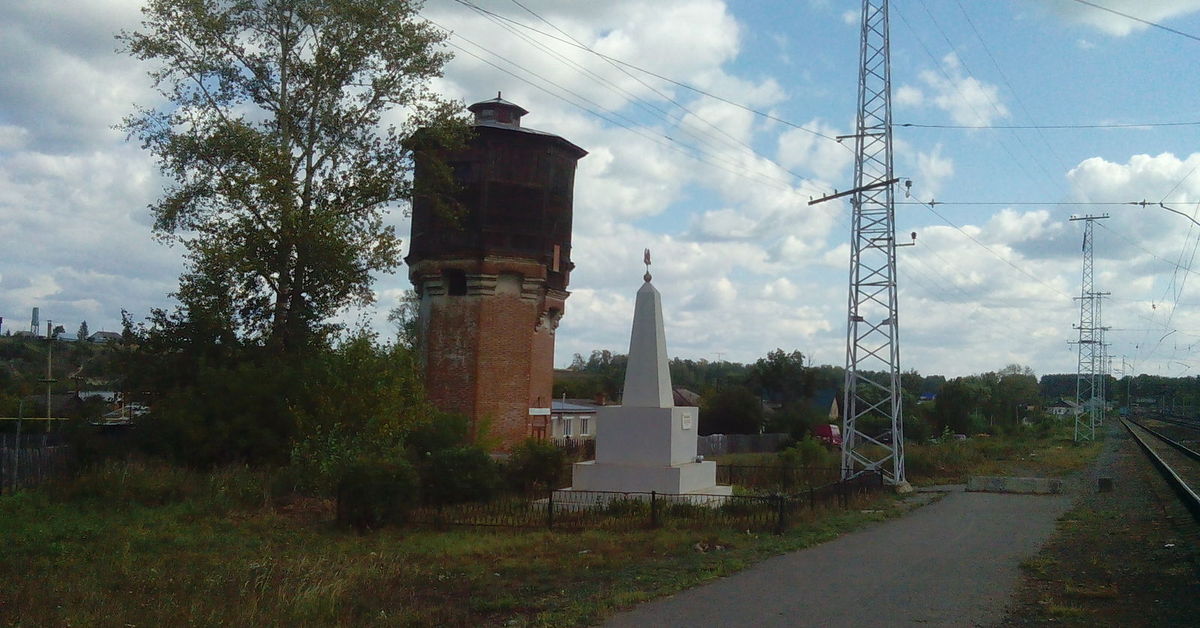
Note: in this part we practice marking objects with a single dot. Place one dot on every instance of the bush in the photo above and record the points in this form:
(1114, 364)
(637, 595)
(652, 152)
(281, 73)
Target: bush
(536, 465)
(809, 453)
(321, 459)
(376, 492)
(459, 474)
(118, 484)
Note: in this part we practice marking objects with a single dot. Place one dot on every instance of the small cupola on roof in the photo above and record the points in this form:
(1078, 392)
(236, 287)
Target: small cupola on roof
(497, 111)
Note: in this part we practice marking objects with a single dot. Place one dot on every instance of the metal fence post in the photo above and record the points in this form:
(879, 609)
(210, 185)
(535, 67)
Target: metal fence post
(653, 509)
(550, 511)
(780, 512)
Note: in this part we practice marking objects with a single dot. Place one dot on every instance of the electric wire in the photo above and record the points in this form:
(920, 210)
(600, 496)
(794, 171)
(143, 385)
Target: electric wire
(1004, 77)
(707, 140)
(937, 64)
(1138, 19)
(1039, 127)
(667, 97)
(658, 76)
(670, 144)
(1000, 113)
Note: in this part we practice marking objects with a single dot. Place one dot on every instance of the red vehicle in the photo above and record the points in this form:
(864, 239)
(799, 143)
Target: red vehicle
(829, 434)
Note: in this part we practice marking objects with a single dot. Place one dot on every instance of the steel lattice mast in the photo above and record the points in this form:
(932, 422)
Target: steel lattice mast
(1088, 387)
(872, 395)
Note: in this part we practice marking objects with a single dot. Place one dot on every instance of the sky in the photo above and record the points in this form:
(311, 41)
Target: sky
(705, 145)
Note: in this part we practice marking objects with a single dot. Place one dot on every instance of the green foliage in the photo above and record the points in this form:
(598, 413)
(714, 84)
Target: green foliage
(961, 398)
(445, 432)
(322, 457)
(628, 506)
(280, 162)
(733, 410)
(458, 474)
(951, 459)
(125, 483)
(374, 492)
(536, 465)
(781, 377)
(370, 388)
(240, 413)
(354, 398)
(809, 453)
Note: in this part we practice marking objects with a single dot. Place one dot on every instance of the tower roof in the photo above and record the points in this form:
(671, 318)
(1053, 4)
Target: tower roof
(498, 111)
(503, 115)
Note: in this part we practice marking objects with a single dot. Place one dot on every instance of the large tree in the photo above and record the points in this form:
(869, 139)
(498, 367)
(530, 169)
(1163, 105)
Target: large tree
(284, 135)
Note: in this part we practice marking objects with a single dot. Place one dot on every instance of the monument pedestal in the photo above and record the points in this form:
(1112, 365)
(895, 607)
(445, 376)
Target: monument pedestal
(640, 449)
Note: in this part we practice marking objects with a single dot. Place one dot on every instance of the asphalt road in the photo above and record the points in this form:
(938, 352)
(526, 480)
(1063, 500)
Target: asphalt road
(951, 563)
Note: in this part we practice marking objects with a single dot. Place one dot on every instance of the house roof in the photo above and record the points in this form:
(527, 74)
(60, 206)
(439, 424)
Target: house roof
(685, 398)
(825, 398)
(564, 407)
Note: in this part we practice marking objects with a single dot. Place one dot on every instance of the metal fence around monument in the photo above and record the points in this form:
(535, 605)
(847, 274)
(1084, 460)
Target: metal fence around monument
(776, 478)
(606, 510)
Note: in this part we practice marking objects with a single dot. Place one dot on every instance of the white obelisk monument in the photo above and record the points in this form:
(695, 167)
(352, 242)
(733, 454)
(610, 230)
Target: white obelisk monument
(647, 444)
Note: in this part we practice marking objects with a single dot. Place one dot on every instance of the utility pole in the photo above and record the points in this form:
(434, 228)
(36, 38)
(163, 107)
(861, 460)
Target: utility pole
(872, 329)
(1088, 384)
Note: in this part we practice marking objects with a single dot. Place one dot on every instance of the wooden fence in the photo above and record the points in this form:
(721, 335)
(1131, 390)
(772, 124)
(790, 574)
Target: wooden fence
(30, 460)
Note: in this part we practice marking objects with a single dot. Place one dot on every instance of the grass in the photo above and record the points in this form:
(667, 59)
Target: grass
(951, 462)
(133, 544)
(148, 545)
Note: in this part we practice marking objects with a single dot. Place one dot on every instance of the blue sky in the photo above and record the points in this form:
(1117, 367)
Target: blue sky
(744, 264)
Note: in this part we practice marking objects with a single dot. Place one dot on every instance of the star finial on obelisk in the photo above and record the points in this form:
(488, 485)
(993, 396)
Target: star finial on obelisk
(646, 259)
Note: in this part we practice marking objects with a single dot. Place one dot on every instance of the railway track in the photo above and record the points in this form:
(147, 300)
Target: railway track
(1178, 463)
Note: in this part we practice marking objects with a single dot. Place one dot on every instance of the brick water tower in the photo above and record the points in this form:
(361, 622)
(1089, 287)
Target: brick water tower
(492, 272)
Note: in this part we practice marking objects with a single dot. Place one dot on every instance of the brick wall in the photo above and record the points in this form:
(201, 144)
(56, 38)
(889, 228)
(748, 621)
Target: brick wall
(489, 353)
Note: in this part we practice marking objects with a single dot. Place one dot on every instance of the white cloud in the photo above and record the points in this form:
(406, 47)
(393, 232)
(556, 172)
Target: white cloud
(968, 100)
(933, 169)
(811, 154)
(1117, 25)
(909, 96)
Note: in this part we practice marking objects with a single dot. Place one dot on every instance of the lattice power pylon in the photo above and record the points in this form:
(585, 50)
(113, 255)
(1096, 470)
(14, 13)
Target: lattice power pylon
(1089, 404)
(872, 423)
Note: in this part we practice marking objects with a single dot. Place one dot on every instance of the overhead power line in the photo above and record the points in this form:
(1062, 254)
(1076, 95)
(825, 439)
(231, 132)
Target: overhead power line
(1138, 19)
(656, 75)
(595, 109)
(932, 202)
(1131, 125)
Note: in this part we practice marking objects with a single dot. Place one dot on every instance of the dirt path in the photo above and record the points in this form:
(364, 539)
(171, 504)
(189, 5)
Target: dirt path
(952, 563)
(1125, 558)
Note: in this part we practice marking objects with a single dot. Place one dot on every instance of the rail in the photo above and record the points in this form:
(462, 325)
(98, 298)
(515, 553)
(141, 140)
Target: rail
(1185, 492)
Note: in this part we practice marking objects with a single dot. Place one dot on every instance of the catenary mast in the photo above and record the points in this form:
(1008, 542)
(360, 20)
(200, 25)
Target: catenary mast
(872, 394)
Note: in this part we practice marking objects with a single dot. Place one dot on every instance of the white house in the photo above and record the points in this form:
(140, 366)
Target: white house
(575, 419)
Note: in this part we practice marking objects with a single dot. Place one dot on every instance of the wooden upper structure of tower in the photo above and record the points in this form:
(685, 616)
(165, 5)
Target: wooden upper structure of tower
(491, 269)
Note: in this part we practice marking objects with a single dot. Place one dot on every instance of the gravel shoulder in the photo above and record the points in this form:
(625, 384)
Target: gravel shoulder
(1130, 557)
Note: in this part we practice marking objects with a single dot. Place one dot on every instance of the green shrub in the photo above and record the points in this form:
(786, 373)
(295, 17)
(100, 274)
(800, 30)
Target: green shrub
(458, 474)
(376, 492)
(947, 461)
(117, 484)
(626, 506)
(321, 459)
(808, 452)
(535, 465)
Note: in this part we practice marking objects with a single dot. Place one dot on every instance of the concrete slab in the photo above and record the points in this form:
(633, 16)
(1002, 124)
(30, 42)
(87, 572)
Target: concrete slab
(951, 563)
(1000, 484)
